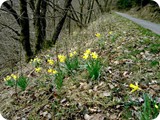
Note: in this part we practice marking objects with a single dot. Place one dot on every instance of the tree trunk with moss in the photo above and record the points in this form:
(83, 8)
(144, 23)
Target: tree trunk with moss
(24, 35)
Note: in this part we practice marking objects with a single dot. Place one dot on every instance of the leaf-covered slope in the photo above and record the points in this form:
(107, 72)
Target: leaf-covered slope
(128, 53)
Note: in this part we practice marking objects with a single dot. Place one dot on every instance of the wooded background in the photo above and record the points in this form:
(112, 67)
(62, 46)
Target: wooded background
(29, 26)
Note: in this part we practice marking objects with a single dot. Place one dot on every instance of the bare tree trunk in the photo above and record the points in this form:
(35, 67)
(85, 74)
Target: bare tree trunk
(81, 10)
(32, 6)
(39, 40)
(75, 17)
(100, 6)
(108, 5)
(69, 25)
(54, 14)
(105, 4)
(39, 10)
(61, 22)
(43, 18)
(90, 11)
(24, 35)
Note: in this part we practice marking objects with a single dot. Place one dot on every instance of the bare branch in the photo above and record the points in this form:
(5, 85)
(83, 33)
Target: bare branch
(18, 34)
(12, 11)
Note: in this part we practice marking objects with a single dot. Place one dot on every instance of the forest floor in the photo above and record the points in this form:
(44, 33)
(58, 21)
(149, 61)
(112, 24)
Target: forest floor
(129, 57)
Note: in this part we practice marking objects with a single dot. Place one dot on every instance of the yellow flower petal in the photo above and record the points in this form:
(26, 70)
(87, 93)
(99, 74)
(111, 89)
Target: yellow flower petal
(85, 56)
(62, 58)
(7, 78)
(51, 62)
(14, 76)
(49, 70)
(88, 51)
(110, 33)
(131, 86)
(38, 69)
(54, 72)
(71, 55)
(134, 87)
(98, 35)
(94, 55)
(156, 106)
(74, 52)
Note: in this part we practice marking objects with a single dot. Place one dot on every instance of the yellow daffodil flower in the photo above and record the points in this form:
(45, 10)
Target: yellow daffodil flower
(38, 69)
(75, 53)
(49, 70)
(62, 58)
(37, 60)
(51, 62)
(94, 55)
(14, 76)
(72, 54)
(88, 51)
(7, 78)
(110, 33)
(134, 87)
(98, 35)
(85, 56)
(54, 72)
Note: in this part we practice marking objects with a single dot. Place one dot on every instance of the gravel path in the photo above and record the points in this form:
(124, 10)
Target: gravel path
(146, 24)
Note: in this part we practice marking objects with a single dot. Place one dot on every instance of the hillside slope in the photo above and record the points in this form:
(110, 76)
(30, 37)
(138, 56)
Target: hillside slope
(148, 12)
(128, 54)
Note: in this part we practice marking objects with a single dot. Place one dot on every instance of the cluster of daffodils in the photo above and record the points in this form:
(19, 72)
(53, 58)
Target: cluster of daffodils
(72, 54)
(11, 80)
(94, 55)
(88, 54)
(52, 71)
(98, 35)
(38, 69)
(16, 80)
(36, 60)
(61, 58)
(36, 63)
(50, 61)
(11, 77)
(93, 64)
